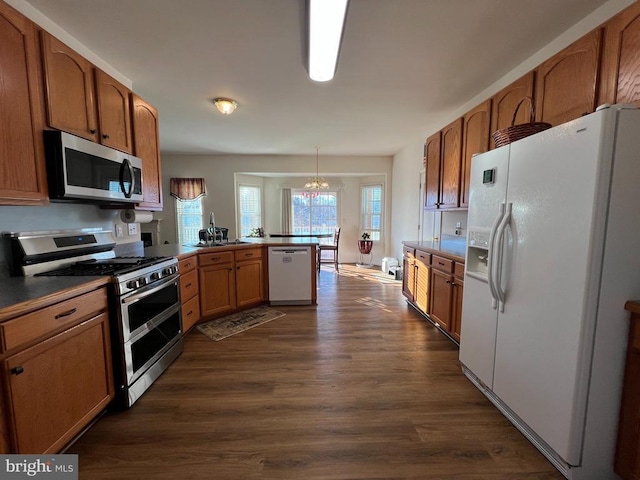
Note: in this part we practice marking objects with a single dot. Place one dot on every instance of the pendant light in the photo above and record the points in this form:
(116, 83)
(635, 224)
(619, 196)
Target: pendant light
(316, 183)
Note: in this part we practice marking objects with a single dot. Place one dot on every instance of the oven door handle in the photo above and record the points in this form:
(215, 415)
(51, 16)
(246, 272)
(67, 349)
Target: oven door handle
(140, 294)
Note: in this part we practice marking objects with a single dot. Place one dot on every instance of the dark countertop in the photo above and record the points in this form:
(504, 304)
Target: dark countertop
(175, 250)
(454, 248)
(20, 295)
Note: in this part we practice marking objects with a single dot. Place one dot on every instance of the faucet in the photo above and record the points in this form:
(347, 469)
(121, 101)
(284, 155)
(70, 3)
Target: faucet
(212, 229)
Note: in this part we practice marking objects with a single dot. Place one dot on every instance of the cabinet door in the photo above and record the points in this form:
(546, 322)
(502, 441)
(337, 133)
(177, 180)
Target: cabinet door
(190, 313)
(456, 314)
(451, 163)
(432, 173)
(620, 81)
(566, 83)
(69, 89)
(408, 274)
(504, 103)
(249, 284)
(146, 145)
(217, 289)
(422, 280)
(23, 178)
(113, 112)
(441, 296)
(57, 387)
(475, 140)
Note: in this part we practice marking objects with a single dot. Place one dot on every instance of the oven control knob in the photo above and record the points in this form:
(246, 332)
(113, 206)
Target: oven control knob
(133, 284)
(142, 281)
(169, 270)
(154, 276)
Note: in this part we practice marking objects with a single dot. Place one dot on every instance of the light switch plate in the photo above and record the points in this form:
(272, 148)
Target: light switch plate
(119, 230)
(133, 228)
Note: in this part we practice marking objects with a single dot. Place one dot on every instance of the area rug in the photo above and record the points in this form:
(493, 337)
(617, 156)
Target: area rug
(224, 327)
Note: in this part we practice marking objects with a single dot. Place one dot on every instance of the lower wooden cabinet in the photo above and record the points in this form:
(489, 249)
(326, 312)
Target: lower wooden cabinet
(57, 386)
(434, 285)
(250, 277)
(231, 280)
(627, 460)
(189, 292)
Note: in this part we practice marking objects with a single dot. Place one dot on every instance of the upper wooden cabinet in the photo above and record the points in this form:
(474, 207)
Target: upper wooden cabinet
(114, 116)
(23, 179)
(620, 77)
(443, 158)
(475, 139)
(566, 83)
(69, 90)
(146, 145)
(450, 166)
(82, 99)
(505, 102)
(432, 174)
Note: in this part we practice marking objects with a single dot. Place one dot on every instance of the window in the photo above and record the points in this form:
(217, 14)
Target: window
(371, 210)
(314, 212)
(250, 206)
(188, 220)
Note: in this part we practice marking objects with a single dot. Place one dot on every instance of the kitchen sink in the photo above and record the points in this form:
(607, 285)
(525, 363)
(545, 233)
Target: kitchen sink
(218, 244)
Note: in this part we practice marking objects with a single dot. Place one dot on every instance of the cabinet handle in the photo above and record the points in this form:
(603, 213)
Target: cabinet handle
(248, 254)
(105, 136)
(93, 130)
(215, 259)
(188, 285)
(449, 282)
(17, 370)
(66, 314)
(190, 313)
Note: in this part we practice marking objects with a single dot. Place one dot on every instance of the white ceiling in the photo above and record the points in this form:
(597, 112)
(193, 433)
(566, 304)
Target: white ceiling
(402, 64)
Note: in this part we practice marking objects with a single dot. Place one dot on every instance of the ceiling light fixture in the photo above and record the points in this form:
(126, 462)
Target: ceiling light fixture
(226, 106)
(326, 20)
(316, 183)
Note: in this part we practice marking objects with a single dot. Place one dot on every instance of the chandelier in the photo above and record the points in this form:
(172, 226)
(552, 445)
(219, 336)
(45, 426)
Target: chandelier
(316, 183)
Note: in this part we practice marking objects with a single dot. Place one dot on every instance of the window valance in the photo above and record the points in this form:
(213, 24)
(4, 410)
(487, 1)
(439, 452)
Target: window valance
(187, 188)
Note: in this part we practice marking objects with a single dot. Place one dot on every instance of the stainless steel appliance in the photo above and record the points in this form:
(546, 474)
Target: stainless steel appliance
(144, 298)
(80, 170)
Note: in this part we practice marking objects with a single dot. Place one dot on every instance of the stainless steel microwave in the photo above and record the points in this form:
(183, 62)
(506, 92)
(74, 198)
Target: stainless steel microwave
(83, 171)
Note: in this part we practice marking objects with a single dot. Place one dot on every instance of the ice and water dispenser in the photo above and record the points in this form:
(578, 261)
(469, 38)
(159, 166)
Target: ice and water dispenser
(478, 252)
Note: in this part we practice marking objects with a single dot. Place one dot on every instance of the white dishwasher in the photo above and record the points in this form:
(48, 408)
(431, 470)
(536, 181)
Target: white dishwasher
(290, 273)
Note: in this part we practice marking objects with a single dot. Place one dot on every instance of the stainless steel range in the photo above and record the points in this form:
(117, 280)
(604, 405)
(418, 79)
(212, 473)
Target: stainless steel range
(144, 298)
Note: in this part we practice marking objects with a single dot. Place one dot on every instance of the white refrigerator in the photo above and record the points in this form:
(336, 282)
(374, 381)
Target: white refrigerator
(553, 254)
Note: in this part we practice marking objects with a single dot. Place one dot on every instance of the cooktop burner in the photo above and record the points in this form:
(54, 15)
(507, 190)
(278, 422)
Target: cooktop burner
(108, 266)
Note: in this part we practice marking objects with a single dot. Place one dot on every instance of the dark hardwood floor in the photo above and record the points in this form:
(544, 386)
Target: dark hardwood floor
(359, 387)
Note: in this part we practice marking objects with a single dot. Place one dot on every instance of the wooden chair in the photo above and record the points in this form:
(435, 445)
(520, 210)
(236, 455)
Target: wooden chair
(330, 247)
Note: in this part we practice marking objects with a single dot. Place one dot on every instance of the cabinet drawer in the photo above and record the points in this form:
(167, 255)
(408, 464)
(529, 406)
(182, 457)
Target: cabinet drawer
(190, 313)
(424, 257)
(214, 258)
(188, 285)
(51, 319)
(248, 253)
(441, 263)
(458, 270)
(187, 264)
(408, 251)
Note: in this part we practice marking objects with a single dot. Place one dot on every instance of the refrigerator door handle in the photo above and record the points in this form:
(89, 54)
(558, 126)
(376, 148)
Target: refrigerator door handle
(498, 249)
(491, 256)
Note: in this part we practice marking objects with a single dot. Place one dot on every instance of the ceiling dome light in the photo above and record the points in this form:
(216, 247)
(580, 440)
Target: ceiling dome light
(226, 106)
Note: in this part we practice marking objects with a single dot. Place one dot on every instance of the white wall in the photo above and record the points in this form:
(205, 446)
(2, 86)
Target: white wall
(408, 162)
(223, 172)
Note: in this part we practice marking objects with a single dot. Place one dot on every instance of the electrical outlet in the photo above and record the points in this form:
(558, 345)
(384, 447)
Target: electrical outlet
(119, 230)
(133, 228)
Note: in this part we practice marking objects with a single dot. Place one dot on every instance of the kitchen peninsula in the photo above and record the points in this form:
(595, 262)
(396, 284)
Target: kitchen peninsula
(226, 278)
